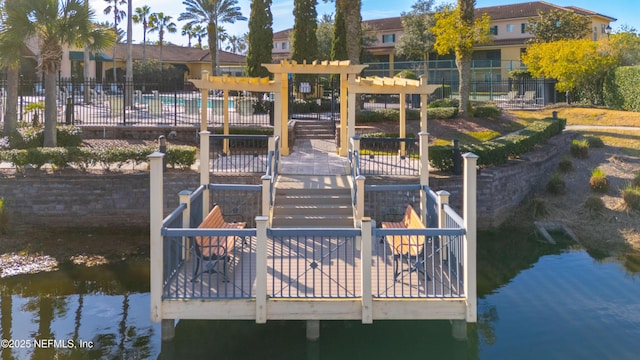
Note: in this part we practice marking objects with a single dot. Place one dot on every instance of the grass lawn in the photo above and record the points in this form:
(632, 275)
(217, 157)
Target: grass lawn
(583, 116)
(627, 141)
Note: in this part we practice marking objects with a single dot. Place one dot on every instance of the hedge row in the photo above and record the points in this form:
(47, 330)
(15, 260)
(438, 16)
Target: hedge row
(499, 151)
(84, 158)
(623, 92)
(32, 137)
(381, 115)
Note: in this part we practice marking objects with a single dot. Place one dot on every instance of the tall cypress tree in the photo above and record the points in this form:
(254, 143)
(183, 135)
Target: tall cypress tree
(305, 42)
(339, 44)
(260, 38)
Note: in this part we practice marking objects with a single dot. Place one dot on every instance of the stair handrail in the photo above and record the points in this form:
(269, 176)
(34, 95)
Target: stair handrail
(357, 179)
(273, 162)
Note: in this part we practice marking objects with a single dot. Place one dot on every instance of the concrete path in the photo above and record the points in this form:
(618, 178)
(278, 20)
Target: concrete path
(602, 127)
(314, 157)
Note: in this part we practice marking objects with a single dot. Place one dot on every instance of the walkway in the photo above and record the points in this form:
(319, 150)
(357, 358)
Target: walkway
(314, 157)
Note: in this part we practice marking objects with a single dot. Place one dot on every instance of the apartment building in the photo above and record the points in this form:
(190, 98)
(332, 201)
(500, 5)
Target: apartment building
(508, 28)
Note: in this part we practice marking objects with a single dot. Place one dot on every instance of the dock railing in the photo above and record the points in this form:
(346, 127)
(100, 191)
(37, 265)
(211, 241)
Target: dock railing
(389, 156)
(356, 264)
(239, 154)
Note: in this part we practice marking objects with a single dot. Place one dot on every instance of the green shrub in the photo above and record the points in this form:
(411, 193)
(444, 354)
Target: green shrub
(486, 111)
(631, 196)
(579, 149)
(443, 92)
(443, 103)
(538, 208)
(556, 185)
(181, 156)
(623, 92)
(636, 179)
(442, 112)
(496, 152)
(594, 204)
(594, 142)
(406, 74)
(32, 137)
(381, 115)
(565, 164)
(599, 182)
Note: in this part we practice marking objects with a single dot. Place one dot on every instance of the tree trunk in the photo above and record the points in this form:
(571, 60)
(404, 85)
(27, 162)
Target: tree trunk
(353, 26)
(11, 107)
(50, 109)
(212, 31)
(464, 71)
(86, 94)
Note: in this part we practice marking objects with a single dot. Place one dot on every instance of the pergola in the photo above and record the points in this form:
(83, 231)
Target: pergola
(350, 85)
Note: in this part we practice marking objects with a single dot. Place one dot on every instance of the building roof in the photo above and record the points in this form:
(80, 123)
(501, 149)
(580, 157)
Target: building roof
(530, 9)
(393, 23)
(174, 53)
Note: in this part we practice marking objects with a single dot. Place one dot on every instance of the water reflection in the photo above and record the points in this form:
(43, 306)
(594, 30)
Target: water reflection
(536, 301)
(69, 310)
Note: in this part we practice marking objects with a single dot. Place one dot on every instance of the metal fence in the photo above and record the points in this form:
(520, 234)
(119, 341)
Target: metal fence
(140, 104)
(233, 154)
(389, 156)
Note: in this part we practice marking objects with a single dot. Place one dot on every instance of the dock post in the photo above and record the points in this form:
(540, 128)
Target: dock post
(156, 211)
(365, 279)
(424, 175)
(313, 330)
(168, 329)
(261, 269)
(459, 329)
(443, 199)
(469, 216)
(204, 169)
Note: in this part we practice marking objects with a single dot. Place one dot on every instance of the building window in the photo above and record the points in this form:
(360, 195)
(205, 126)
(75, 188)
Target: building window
(509, 28)
(389, 38)
(523, 28)
(285, 45)
(275, 45)
(493, 30)
(595, 33)
(603, 28)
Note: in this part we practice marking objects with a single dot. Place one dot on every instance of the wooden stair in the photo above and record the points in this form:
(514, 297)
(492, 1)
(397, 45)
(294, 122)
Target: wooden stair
(310, 129)
(312, 201)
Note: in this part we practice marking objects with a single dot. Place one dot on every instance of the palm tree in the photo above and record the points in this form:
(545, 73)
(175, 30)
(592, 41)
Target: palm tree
(213, 13)
(160, 22)
(199, 32)
(236, 44)
(187, 29)
(140, 17)
(55, 25)
(10, 54)
(118, 15)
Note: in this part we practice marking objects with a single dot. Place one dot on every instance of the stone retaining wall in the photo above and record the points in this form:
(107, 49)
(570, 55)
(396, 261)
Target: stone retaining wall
(74, 199)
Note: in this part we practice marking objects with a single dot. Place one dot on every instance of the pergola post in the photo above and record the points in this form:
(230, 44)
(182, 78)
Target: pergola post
(346, 107)
(283, 120)
(351, 117)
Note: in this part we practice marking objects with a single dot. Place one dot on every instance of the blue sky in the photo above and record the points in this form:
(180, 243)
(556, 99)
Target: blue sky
(626, 11)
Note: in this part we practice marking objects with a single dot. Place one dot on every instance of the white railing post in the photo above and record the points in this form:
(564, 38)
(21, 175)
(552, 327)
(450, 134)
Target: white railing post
(156, 212)
(185, 198)
(365, 268)
(443, 199)
(261, 269)
(424, 174)
(204, 170)
(266, 195)
(360, 197)
(204, 103)
(469, 213)
(355, 141)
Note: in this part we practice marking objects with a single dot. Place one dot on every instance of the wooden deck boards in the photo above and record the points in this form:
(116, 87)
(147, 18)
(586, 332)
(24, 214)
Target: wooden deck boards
(325, 267)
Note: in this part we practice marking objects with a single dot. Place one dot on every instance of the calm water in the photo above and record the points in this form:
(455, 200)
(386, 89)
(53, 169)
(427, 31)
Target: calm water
(537, 302)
